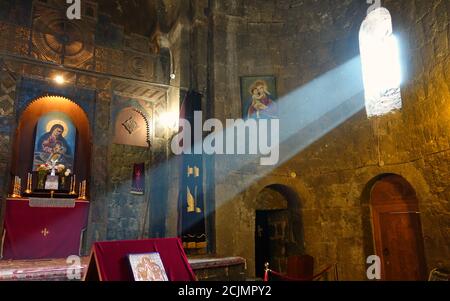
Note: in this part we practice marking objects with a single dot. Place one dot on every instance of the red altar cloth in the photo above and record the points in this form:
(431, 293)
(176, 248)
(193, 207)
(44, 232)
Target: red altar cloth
(111, 258)
(41, 233)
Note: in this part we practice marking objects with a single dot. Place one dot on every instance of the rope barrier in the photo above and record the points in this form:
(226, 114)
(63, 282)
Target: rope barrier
(287, 278)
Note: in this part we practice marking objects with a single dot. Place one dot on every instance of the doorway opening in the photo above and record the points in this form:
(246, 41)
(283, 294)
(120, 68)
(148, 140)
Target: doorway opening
(397, 229)
(278, 228)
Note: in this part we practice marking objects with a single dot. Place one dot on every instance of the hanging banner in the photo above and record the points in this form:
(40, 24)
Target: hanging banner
(138, 180)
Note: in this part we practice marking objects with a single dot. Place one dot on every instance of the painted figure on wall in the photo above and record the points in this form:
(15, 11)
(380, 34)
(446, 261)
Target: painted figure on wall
(55, 140)
(260, 101)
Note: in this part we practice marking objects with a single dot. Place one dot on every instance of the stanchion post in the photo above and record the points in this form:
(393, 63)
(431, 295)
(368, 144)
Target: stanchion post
(336, 274)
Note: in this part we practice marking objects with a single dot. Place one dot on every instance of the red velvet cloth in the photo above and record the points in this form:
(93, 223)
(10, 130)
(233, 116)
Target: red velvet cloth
(25, 227)
(113, 265)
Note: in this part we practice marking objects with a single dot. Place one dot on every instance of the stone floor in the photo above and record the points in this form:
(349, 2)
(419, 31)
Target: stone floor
(206, 269)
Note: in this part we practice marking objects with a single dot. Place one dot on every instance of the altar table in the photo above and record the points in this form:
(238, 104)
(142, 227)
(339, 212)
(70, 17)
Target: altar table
(43, 228)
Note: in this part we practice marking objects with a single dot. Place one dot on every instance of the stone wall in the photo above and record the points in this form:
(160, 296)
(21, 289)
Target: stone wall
(297, 41)
(112, 62)
(127, 212)
(7, 125)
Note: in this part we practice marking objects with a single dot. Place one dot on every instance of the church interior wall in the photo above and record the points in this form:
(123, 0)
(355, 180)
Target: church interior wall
(299, 43)
(114, 62)
(209, 50)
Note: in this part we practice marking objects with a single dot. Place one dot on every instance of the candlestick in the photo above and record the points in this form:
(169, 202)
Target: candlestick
(83, 190)
(17, 188)
(14, 189)
(72, 185)
(29, 179)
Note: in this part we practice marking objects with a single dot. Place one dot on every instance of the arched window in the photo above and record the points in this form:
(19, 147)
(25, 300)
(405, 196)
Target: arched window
(380, 63)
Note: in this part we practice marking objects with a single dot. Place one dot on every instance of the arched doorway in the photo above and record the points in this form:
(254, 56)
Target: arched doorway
(397, 229)
(278, 228)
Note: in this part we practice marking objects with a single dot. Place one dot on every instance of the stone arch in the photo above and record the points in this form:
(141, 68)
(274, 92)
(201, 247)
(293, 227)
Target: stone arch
(31, 90)
(408, 172)
(294, 185)
(298, 197)
(39, 101)
(294, 205)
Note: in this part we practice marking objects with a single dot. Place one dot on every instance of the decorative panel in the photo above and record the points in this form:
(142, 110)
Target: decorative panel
(132, 128)
(108, 61)
(62, 41)
(14, 39)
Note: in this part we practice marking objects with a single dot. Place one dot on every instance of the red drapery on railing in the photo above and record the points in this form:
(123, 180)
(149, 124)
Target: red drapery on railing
(281, 277)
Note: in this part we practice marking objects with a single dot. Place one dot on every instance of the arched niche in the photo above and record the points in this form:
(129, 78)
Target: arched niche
(24, 139)
(132, 128)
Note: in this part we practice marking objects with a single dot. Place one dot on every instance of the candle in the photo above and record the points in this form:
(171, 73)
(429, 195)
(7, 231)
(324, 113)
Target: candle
(28, 189)
(14, 187)
(17, 188)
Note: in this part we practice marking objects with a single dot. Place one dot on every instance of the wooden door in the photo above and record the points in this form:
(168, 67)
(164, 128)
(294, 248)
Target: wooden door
(398, 230)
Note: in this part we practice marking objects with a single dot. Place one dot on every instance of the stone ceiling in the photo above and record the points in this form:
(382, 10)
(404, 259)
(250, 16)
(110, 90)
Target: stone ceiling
(142, 16)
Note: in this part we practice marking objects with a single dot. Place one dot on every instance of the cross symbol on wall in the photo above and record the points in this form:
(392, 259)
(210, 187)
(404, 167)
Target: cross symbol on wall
(45, 232)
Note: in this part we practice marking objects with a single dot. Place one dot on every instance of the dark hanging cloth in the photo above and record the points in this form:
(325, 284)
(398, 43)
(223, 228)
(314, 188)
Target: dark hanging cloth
(138, 180)
(191, 215)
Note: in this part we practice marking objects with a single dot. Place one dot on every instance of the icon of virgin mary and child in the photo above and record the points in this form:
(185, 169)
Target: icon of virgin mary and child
(261, 105)
(53, 147)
